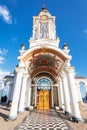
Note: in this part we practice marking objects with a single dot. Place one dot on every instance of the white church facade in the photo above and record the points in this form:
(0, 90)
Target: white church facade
(44, 78)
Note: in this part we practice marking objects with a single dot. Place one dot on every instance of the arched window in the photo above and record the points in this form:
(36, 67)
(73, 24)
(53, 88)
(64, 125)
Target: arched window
(43, 84)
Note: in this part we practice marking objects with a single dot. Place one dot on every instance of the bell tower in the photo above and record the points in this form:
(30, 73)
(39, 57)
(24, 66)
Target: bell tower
(44, 29)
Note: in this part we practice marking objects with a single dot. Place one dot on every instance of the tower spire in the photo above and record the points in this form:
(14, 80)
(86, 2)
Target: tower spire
(43, 6)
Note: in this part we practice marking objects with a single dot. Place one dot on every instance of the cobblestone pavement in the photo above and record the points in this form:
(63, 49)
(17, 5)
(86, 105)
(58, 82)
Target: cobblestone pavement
(44, 120)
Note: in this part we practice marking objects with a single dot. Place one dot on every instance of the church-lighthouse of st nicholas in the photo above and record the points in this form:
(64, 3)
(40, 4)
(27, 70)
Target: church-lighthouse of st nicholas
(44, 77)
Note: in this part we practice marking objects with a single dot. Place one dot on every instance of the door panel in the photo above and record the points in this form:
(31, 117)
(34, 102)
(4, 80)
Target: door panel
(46, 99)
(40, 100)
(43, 100)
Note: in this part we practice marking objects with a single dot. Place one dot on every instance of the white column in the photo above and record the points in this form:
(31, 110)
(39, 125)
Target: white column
(1, 90)
(66, 93)
(33, 31)
(59, 100)
(39, 34)
(15, 101)
(9, 92)
(28, 100)
(49, 31)
(12, 91)
(79, 93)
(35, 95)
(61, 94)
(22, 95)
(74, 104)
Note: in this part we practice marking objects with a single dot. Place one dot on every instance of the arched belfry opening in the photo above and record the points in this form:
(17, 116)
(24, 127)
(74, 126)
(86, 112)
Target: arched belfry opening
(44, 77)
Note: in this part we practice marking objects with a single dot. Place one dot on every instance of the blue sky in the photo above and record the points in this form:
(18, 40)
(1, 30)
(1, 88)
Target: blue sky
(16, 28)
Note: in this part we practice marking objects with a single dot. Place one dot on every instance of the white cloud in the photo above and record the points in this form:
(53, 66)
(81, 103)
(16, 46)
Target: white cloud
(5, 14)
(3, 52)
(2, 59)
(3, 73)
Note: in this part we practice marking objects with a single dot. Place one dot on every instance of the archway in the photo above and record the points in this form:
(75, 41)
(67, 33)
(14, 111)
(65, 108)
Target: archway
(83, 91)
(45, 85)
(43, 93)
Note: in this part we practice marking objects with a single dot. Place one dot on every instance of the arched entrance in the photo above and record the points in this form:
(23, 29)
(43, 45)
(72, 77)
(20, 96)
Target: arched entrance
(43, 93)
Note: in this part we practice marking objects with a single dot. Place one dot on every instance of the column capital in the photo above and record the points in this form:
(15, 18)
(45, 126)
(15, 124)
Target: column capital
(62, 74)
(69, 69)
(25, 75)
(59, 79)
(19, 69)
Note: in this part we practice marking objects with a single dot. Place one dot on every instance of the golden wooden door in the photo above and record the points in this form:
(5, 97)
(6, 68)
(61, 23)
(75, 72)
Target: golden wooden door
(43, 100)
(40, 100)
(46, 100)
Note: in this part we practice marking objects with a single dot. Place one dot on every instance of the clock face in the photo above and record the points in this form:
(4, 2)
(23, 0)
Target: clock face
(43, 17)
